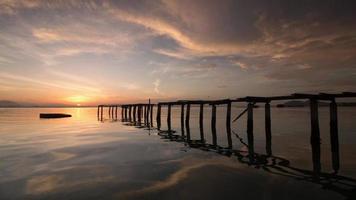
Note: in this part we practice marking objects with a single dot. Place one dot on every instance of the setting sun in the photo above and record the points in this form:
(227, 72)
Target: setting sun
(77, 99)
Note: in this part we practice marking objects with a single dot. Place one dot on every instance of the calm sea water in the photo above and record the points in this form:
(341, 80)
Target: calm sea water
(83, 158)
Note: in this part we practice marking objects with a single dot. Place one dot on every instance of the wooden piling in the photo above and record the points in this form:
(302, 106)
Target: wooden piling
(151, 115)
(122, 113)
(182, 118)
(134, 113)
(101, 112)
(115, 112)
(130, 112)
(228, 124)
(250, 131)
(315, 135)
(213, 124)
(158, 119)
(98, 111)
(169, 118)
(187, 126)
(139, 114)
(109, 111)
(145, 114)
(125, 112)
(201, 122)
(268, 129)
(334, 136)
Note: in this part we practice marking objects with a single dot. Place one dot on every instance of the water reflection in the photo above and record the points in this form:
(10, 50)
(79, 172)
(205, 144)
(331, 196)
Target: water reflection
(346, 186)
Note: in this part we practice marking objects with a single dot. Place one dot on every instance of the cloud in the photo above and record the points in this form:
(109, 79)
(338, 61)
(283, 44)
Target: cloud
(56, 84)
(156, 84)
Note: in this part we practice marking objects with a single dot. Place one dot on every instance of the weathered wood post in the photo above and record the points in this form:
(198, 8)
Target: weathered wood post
(158, 117)
(213, 123)
(101, 112)
(130, 112)
(145, 114)
(139, 114)
(169, 118)
(148, 114)
(187, 118)
(98, 111)
(109, 111)
(268, 128)
(201, 122)
(334, 136)
(315, 135)
(151, 115)
(116, 112)
(125, 112)
(250, 131)
(182, 118)
(134, 113)
(122, 112)
(228, 124)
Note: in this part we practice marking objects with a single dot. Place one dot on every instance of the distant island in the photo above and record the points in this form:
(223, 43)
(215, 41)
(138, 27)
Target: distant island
(306, 103)
(13, 104)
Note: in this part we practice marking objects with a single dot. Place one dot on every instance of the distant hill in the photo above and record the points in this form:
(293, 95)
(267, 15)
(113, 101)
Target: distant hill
(9, 104)
(13, 104)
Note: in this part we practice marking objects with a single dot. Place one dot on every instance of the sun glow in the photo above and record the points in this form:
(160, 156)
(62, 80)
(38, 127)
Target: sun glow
(78, 99)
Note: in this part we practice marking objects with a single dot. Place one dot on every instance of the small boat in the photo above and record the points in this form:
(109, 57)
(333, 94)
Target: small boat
(54, 115)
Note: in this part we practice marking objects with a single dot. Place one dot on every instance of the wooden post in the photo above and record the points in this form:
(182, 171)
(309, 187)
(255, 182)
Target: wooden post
(139, 113)
(134, 113)
(145, 113)
(228, 124)
(109, 111)
(169, 118)
(315, 135)
(250, 131)
(151, 115)
(201, 124)
(122, 113)
(101, 112)
(187, 118)
(182, 118)
(130, 111)
(268, 129)
(213, 123)
(334, 136)
(158, 116)
(125, 112)
(98, 111)
(115, 112)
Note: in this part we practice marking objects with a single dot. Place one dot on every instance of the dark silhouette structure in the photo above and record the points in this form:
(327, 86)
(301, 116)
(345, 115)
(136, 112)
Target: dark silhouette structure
(135, 112)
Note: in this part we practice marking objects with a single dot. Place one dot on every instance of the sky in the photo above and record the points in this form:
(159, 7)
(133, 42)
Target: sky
(90, 52)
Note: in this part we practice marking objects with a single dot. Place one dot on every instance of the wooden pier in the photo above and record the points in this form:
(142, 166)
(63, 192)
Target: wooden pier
(144, 112)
